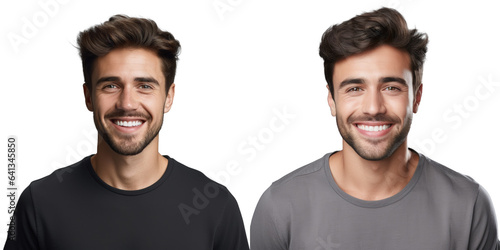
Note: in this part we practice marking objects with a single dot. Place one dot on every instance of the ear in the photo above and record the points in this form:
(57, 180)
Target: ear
(170, 98)
(331, 102)
(88, 97)
(418, 97)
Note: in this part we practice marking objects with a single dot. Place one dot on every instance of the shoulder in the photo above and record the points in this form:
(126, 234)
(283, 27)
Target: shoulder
(442, 177)
(63, 177)
(449, 186)
(196, 193)
(306, 176)
(192, 180)
(186, 172)
(466, 199)
(46, 193)
(189, 175)
(273, 212)
(293, 187)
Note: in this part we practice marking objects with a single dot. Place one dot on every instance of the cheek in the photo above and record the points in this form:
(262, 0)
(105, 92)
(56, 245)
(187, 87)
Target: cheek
(401, 106)
(101, 105)
(154, 105)
(345, 111)
(349, 105)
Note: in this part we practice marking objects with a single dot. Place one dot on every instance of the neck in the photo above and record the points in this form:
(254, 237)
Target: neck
(129, 172)
(373, 180)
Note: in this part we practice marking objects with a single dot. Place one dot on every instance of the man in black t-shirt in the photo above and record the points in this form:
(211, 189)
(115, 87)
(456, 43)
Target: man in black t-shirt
(127, 195)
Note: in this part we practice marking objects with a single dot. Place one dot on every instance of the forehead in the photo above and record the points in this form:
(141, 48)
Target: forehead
(129, 63)
(379, 62)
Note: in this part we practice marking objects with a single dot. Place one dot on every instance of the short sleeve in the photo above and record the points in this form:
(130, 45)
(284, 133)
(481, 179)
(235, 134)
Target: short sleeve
(24, 235)
(264, 233)
(231, 230)
(484, 234)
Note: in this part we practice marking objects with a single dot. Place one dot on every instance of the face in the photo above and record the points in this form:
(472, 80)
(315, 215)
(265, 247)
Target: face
(374, 101)
(128, 99)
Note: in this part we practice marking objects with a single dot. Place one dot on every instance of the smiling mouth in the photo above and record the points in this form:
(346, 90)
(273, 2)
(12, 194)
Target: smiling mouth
(128, 124)
(373, 128)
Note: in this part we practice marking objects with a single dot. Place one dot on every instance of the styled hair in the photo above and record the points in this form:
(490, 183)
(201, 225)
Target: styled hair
(367, 31)
(121, 31)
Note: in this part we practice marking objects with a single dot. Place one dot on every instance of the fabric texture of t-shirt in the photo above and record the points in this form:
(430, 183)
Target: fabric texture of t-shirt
(438, 209)
(74, 209)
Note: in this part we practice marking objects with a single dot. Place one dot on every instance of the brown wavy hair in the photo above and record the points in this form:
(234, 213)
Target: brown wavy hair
(370, 30)
(122, 31)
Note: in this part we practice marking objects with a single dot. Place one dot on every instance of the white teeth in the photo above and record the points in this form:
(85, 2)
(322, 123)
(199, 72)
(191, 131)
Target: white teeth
(128, 123)
(373, 128)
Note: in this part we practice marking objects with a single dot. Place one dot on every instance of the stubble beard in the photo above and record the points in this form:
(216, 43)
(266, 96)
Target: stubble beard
(129, 147)
(373, 150)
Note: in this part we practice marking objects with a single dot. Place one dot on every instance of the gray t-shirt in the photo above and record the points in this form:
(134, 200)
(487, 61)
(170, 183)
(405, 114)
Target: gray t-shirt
(438, 209)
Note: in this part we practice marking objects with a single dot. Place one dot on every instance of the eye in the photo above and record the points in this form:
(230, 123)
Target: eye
(354, 89)
(109, 86)
(391, 88)
(145, 86)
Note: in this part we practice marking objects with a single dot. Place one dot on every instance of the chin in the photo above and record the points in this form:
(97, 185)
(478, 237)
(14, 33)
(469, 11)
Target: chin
(373, 152)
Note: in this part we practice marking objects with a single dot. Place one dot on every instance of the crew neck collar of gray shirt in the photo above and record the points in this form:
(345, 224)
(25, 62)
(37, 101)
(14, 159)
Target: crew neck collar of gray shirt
(377, 203)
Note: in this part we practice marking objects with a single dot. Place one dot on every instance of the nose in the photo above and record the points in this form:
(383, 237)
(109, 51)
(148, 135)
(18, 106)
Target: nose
(127, 100)
(373, 103)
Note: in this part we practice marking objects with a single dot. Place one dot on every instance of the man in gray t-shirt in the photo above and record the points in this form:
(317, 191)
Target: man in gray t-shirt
(376, 193)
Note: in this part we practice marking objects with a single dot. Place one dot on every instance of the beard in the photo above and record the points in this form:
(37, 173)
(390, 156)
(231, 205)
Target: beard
(376, 149)
(128, 144)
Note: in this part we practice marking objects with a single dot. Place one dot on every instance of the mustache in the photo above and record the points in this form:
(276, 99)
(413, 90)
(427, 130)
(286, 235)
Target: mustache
(376, 118)
(122, 113)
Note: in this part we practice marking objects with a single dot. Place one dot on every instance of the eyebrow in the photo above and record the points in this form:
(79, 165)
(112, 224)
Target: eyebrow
(349, 81)
(147, 79)
(107, 79)
(393, 79)
(117, 79)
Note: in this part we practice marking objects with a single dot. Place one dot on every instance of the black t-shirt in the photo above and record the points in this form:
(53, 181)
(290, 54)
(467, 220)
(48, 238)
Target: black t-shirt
(74, 209)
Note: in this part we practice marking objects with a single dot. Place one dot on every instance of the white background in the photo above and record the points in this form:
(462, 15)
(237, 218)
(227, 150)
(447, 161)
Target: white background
(238, 67)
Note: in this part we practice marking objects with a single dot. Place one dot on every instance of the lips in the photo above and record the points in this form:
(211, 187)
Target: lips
(127, 124)
(123, 123)
(373, 129)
